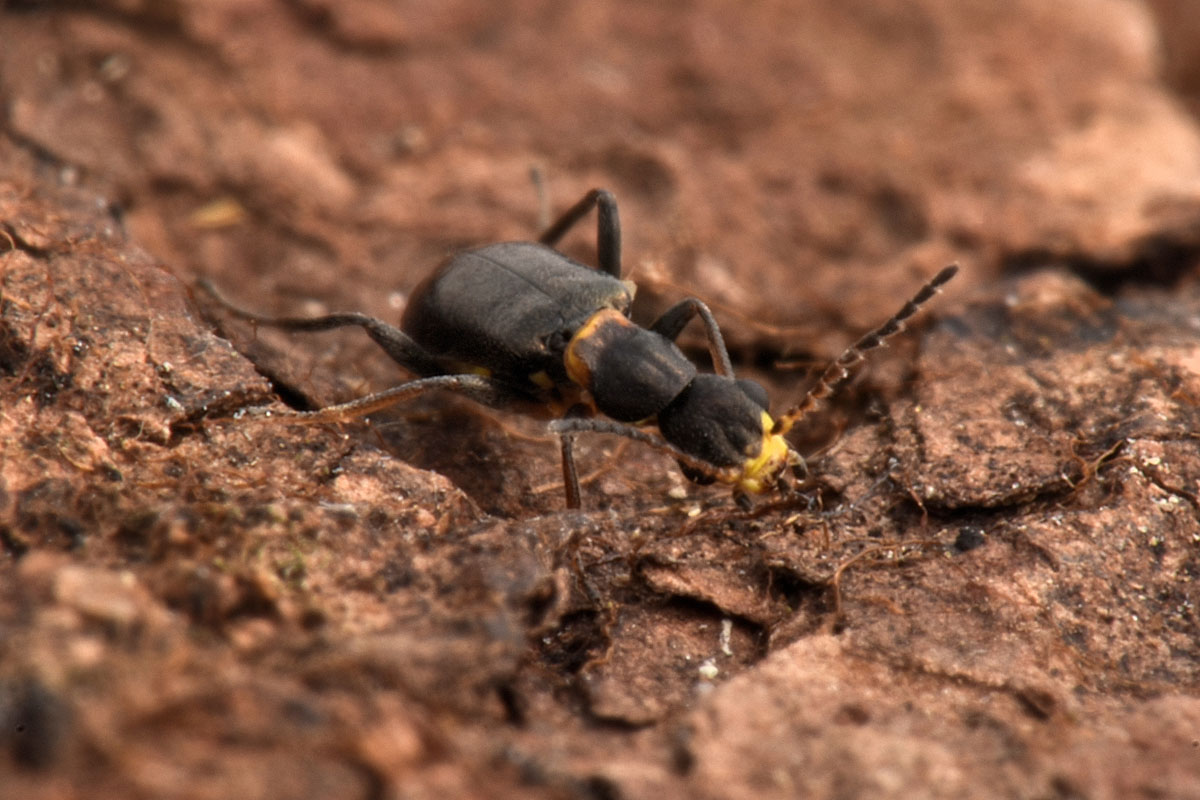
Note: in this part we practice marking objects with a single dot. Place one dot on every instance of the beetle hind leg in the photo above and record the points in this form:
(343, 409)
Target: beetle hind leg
(393, 341)
(608, 228)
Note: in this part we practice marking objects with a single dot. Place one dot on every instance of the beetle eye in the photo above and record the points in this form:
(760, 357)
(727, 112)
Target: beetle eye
(755, 391)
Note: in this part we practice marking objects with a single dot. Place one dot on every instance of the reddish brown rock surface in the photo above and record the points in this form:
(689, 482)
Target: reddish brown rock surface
(990, 592)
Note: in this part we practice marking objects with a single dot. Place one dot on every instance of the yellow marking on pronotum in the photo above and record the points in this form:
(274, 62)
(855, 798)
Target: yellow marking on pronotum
(577, 368)
(759, 473)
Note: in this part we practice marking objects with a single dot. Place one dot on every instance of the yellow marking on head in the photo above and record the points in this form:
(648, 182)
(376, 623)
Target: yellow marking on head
(760, 473)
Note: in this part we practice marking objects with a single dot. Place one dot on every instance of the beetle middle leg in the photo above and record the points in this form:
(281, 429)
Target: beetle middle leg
(608, 228)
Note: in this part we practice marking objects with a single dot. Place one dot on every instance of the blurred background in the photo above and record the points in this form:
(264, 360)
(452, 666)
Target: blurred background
(800, 164)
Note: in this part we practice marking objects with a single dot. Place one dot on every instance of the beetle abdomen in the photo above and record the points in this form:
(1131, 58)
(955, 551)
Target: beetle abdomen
(509, 309)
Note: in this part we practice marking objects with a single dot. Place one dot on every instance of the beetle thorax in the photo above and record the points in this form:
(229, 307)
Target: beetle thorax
(632, 373)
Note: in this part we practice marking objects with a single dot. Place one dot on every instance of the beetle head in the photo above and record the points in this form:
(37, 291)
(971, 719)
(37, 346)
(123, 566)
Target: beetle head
(724, 422)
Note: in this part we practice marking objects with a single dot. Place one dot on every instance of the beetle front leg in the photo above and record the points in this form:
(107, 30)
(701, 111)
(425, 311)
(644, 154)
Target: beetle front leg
(570, 473)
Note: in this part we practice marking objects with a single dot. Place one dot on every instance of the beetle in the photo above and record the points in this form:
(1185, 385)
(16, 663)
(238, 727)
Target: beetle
(521, 324)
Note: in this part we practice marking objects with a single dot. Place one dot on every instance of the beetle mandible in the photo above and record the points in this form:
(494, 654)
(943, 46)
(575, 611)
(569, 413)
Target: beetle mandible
(519, 323)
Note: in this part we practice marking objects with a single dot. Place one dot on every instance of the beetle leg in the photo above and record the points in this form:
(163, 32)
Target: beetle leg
(568, 427)
(608, 228)
(395, 342)
(481, 390)
(673, 320)
(570, 474)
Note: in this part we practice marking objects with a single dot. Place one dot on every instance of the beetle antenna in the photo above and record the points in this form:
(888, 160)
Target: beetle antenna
(837, 372)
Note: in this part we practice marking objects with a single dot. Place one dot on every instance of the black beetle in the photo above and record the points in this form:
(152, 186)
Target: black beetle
(520, 321)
